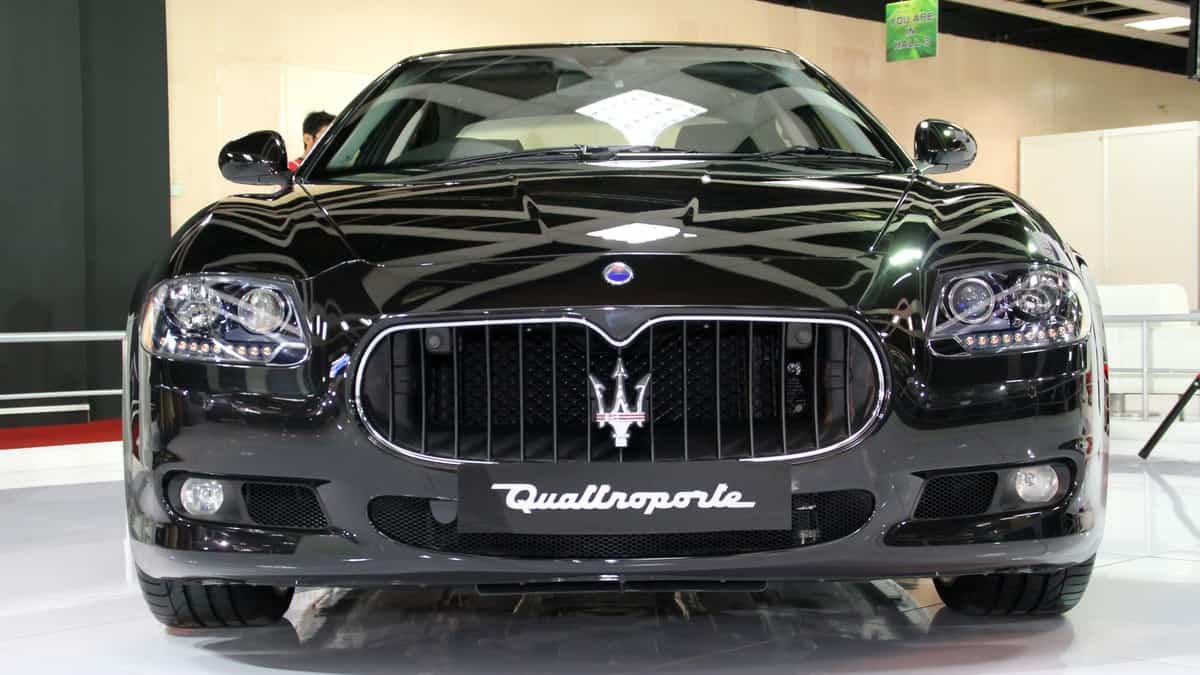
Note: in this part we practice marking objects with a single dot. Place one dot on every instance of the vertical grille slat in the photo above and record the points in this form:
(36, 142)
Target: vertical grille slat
(699, 377)
(685, 391)
(650, 392)
(717, 384)
(783, 406)
(521, 391)
(391, 370)
(814, 401)
(846, 383)
(487, 357)
(574, 424)
(587, 399)
(554, 391)
(764, 389)
(457, 385)
(503, 394)
(750, 365)
(723, 389)
(424, 394)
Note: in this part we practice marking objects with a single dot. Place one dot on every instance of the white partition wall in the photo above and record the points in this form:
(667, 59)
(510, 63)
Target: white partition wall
(1128, 199)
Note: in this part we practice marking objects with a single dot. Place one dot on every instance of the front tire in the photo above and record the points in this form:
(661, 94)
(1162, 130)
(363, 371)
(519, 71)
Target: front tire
(1016, 594)
(192, 605)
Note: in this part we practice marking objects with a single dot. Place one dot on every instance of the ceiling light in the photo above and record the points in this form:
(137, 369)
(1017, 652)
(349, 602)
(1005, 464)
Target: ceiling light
(641, 115)
(636, 233)
(1161, 23)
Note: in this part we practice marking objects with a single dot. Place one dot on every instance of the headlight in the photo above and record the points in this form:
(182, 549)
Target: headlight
(194, 305)
(1008, 308)
(225, 319)
(263, 310)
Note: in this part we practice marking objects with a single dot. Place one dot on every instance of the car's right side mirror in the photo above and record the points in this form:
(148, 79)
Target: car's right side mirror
(942, 147)
(258, 158)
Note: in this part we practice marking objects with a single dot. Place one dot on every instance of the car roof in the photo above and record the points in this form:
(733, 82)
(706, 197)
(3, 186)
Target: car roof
(550, 45)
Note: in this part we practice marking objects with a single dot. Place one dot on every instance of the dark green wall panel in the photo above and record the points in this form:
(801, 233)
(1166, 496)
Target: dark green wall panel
(83, 180)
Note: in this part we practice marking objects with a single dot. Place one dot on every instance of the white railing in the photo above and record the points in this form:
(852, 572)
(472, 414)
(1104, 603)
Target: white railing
(1184, 369)
(58, 336)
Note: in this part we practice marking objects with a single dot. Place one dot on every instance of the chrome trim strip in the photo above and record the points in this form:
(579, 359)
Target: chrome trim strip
(876, 413)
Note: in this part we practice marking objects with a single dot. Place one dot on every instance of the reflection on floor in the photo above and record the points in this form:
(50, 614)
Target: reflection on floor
(65, 606)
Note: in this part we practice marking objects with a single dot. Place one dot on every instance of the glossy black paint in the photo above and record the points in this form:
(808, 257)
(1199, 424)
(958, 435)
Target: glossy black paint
(512, 240)
(943, 147)
(258, 158)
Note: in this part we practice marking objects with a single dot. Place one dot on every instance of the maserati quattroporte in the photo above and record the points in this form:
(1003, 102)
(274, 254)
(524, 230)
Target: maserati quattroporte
(630, 317)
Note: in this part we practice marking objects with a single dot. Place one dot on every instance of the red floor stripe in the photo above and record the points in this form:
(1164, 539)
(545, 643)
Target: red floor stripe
(60, 434)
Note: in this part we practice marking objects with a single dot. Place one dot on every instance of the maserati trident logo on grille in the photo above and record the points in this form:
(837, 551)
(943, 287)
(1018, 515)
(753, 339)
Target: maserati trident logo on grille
(620, 416)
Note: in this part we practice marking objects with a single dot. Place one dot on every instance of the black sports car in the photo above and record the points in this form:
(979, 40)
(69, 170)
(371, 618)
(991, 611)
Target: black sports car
(632, 317)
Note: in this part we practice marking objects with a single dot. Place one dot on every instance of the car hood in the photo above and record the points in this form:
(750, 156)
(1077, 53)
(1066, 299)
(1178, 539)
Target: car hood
(630, 210)
(693, 236)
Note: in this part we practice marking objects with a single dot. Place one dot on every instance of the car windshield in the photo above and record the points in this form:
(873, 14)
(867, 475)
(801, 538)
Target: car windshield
(576, 103)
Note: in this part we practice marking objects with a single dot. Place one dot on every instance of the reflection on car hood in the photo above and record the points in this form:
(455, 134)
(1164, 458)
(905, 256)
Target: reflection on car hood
(590, 210)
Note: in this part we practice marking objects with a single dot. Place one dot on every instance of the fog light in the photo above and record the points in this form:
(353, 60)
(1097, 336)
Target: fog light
(201, 496)
(1036, 484)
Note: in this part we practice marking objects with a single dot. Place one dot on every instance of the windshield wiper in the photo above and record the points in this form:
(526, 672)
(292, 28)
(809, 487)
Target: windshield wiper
(581, 152)
(565, 151)
(608, 151)
(578, 152)
(806, 151)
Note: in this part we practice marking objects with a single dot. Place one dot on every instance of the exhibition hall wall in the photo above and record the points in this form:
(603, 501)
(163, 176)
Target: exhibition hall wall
(84, 176)
(1128, 199)
(234, 67)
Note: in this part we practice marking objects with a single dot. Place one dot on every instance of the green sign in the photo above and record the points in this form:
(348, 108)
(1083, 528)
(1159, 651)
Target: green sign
(912, 30)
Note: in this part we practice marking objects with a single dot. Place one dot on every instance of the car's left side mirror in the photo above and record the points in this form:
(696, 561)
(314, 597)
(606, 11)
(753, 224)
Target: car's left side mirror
(942, 147)
(258, 158)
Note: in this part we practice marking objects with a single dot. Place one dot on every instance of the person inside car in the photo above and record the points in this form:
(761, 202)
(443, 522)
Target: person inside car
(315, 124)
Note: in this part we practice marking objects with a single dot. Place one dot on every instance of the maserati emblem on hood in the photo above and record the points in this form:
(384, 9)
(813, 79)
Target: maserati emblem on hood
(618, 273)
(620, 416)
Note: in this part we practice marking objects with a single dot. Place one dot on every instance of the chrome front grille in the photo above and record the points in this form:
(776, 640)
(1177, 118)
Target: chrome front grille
(717, 388)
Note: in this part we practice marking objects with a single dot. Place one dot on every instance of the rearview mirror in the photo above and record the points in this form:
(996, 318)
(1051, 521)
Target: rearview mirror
(942, 147)
(259, 158)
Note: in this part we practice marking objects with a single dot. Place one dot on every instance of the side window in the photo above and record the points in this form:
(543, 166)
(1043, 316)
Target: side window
(405, 137)
(402, 130)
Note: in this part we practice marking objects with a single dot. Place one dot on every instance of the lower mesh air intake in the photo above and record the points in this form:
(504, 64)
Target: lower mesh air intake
(284, 505)
(958, 495)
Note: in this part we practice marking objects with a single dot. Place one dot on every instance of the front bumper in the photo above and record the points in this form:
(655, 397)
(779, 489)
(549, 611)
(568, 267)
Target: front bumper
(328, 560)
(219, 429)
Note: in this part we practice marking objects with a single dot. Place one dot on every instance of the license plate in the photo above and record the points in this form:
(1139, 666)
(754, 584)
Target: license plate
(623, 498)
